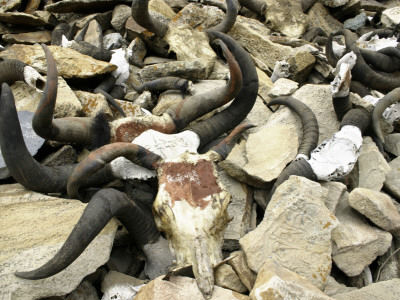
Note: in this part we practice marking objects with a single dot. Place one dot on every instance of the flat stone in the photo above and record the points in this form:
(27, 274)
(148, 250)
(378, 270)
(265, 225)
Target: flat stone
(283, 87)
(388, 290)
(390, 17)
(392, 182)
(20, 18)
(40, 37)
(70, 63)
(182, 288)
(33, 235)
(372, 5)
(392, 143)
(239, 265)
(295, 232)
(226, 277)
(199, 17)
(67, 6)
(28, 98)
(9, 5)
(356, 244)
(277, 282)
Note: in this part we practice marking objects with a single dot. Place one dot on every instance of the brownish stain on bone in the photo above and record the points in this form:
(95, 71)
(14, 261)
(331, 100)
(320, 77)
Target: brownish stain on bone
(190, 181)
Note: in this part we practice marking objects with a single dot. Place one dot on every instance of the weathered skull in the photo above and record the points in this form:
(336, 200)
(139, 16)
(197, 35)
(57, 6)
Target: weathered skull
(191, 208)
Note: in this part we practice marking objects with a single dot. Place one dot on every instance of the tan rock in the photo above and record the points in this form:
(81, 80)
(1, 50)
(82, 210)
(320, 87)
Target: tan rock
(226, 277)
(392, 182)
(70, 63)
(92, 104)
(21, 18)
(239, 265)
(41, 37)
(388, 290)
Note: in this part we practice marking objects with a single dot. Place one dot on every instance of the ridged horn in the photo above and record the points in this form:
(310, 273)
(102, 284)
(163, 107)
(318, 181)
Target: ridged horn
(257, 6)
(12, 70)
(381, 61)
(383, 103)
(99, 158)
(359, 88)
(230, 18)
(85, 131)
(198, 105)
(237, 111)
(162, 84)
(358, 117)
(104, 205)
(141, 15)
(341, 106)
(308, 121)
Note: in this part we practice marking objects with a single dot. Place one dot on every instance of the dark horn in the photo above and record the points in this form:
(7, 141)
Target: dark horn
(383, 103)
(141, 15)
(86, 131)
(381, 61)
(104, 87)
(162, 84)
(92, 51)
(198, 105)
(308, 121)
(57, 33)
(237, 111)
(13, 70)
(105, 204)
(230, 18)
(98, 159)
(359, 88)
(358, 117)
(258, 6)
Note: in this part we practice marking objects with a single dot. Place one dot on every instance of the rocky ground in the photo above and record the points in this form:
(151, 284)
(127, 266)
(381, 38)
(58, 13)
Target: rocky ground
(336, 237)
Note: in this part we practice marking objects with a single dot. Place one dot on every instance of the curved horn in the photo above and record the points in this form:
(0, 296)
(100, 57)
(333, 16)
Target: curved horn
(308, 121)
(91, 50)
(97, 159)
(383, 103)
(258, 6)
(230, 18)
(358, 117)
(86, 131)
(341, 106)
(198, 105)
(57, 33)
(141, 15)
(330, 54)
(358, 88)
(381, 61)
(162, 84)
(105, 204)
(237, 111)
(14, 70)
(104, 87)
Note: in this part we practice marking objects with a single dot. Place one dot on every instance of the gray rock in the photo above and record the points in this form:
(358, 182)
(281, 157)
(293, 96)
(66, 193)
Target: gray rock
(392, 182)
(356, 22)
(94, 34)
(239, 265)
(20, 18)
(283, 87)
(113, 41)
(334, 3)
(392, 143)
(113, 277)
(120, 15)
(320, 17)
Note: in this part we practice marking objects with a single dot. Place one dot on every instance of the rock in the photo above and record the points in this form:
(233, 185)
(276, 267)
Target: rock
(239, 265)
(182, 288)
(226, 277)
(67, 6)
(85, 291)
(391, 17)
(335, 192)
(286, 17)
(32, 6)
(320, 17)
(283, 87)
(10, 5)
(239, 208)
(264, 85)
(356, 244)
(260, 159)
(277, 282)
(198, 17)
(93, 34)
(371, 168)
(70, 63)
(388, 263)
(121, 291)
(334, 3)
(130, 109)
(64, 156)
(20, 18)
(372, 5)
(388, 290)
(16, 193)
(392, 182)
(114, 277)
(40, 37)
(28, 98)
(113, 41)
(120, 15)
(356, 22)
(333, 287)
(377, 207)
(392, 143)
(295, 232)
(301, 64)
(32, 238)
(92, 104)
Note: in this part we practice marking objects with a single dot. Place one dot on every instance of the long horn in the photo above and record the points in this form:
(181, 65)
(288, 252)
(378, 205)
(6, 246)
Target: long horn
(258, 6)
(86, 131)
(230, 18)
(105, 204)
(162, 84)
(308, 121)
(98, 159)
(92, 51)
(104, 87)
(359, 88)
(362, 72)
(381, 61)
(14, 70)
(358, 117)
(383, 103)
(141, 15)
(237, 111)
(198, 105)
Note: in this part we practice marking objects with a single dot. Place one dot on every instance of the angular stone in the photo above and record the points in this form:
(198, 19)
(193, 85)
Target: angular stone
(321, 17)
(301, 64)
(182, 288)
(20, 18)
(283, 87)
(239, 265)
(32, 6)
(32, 232)
(334, 3)
(70, 63)
(92, 104)
(64, 156)
(333, 287)
(388, 290)
(371, 168)
(295, 232)
(85, 291)
(120, 15)
(286, 17)
(239, 208)
(114, 277)
(264, 85)
(93, 34)
(9, 5)
(41, 37)
(259, 114)
(392, 143)
(226, 277)
(261, 159)
(130, 109)
(377, 207)
(391, 16)
(389, 263)
(356, 22)
(27, 98)
(335, 192)
(16, 193)
(392, 182)
(66, 6)
(199, 17)
(277, 282)
(356, 244)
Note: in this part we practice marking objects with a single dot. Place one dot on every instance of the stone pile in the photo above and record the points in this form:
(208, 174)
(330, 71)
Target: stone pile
(311, 240)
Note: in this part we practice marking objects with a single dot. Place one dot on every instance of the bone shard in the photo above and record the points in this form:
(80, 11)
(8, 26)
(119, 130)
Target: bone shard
(336, 157)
